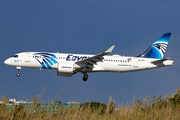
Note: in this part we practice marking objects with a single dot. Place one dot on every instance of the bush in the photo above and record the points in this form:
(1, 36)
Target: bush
(94, 106)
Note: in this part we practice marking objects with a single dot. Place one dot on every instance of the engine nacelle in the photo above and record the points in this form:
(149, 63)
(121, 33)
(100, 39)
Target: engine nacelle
(65, 69)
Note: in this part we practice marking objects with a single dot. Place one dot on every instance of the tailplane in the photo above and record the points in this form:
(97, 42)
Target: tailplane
(157, 49)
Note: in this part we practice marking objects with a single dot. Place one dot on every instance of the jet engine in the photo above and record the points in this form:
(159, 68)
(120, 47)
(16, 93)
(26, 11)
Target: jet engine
(65, 69)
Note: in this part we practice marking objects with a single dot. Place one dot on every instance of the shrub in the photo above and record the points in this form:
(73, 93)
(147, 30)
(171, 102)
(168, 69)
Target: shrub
(94, 106)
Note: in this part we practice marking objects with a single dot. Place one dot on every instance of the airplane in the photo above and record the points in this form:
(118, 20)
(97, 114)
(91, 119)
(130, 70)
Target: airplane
(70, 64)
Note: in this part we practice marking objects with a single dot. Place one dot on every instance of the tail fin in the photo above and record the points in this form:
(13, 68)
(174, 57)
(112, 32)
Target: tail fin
(157, 49)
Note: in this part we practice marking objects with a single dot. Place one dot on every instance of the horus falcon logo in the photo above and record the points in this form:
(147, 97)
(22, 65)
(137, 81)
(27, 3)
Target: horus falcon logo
(45, 59)
(161, 47)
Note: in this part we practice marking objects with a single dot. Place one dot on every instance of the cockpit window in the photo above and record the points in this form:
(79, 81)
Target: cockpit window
(15, 56)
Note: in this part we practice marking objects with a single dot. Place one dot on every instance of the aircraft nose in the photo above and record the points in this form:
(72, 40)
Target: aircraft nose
(7, 62)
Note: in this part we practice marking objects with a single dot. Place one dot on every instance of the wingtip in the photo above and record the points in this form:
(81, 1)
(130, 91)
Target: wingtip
(110, 49)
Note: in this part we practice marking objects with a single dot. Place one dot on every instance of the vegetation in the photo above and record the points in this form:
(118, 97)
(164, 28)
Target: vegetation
(142, 109)
(94, 106)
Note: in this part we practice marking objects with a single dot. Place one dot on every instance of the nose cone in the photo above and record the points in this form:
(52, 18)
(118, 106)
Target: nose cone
(7, 62)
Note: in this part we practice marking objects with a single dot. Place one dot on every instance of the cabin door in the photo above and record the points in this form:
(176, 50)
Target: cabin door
(135, 62)
(27, 57)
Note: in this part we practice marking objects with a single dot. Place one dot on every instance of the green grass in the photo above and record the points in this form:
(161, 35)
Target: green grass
(167, 108)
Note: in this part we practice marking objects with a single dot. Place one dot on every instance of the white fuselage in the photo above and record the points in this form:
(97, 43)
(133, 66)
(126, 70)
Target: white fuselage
(69, 64)
(115, 63)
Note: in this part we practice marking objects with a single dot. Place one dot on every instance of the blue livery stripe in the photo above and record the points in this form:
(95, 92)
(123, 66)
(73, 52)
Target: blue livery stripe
(53, 55)
(155, 53)
(49, 61)
(43, 65)
(52, 59)
(47, 64)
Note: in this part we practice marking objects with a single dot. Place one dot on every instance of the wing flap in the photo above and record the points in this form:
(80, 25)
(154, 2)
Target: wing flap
(90, 66)
(92, 63)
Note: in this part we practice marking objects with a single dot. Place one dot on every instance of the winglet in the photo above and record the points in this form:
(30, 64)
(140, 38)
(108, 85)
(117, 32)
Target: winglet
(110, 49)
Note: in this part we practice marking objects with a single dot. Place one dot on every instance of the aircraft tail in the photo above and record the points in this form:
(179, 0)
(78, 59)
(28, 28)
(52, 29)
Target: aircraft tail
(157, 49)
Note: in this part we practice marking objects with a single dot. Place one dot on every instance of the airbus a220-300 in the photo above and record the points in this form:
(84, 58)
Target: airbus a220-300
(70, 64)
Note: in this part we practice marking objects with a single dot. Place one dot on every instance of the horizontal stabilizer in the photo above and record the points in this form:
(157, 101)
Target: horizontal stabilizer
(160, 61)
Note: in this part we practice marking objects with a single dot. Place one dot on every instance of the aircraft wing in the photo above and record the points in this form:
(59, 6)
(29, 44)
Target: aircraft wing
(160, 61)
(89, 62)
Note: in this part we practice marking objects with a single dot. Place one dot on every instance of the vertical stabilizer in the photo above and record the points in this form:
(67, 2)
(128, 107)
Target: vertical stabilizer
(157, 49)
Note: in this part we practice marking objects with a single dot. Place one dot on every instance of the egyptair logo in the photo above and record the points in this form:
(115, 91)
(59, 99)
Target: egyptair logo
(161, 47)
(46, 59)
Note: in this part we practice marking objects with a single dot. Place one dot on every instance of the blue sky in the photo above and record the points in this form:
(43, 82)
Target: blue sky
(88, 27)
